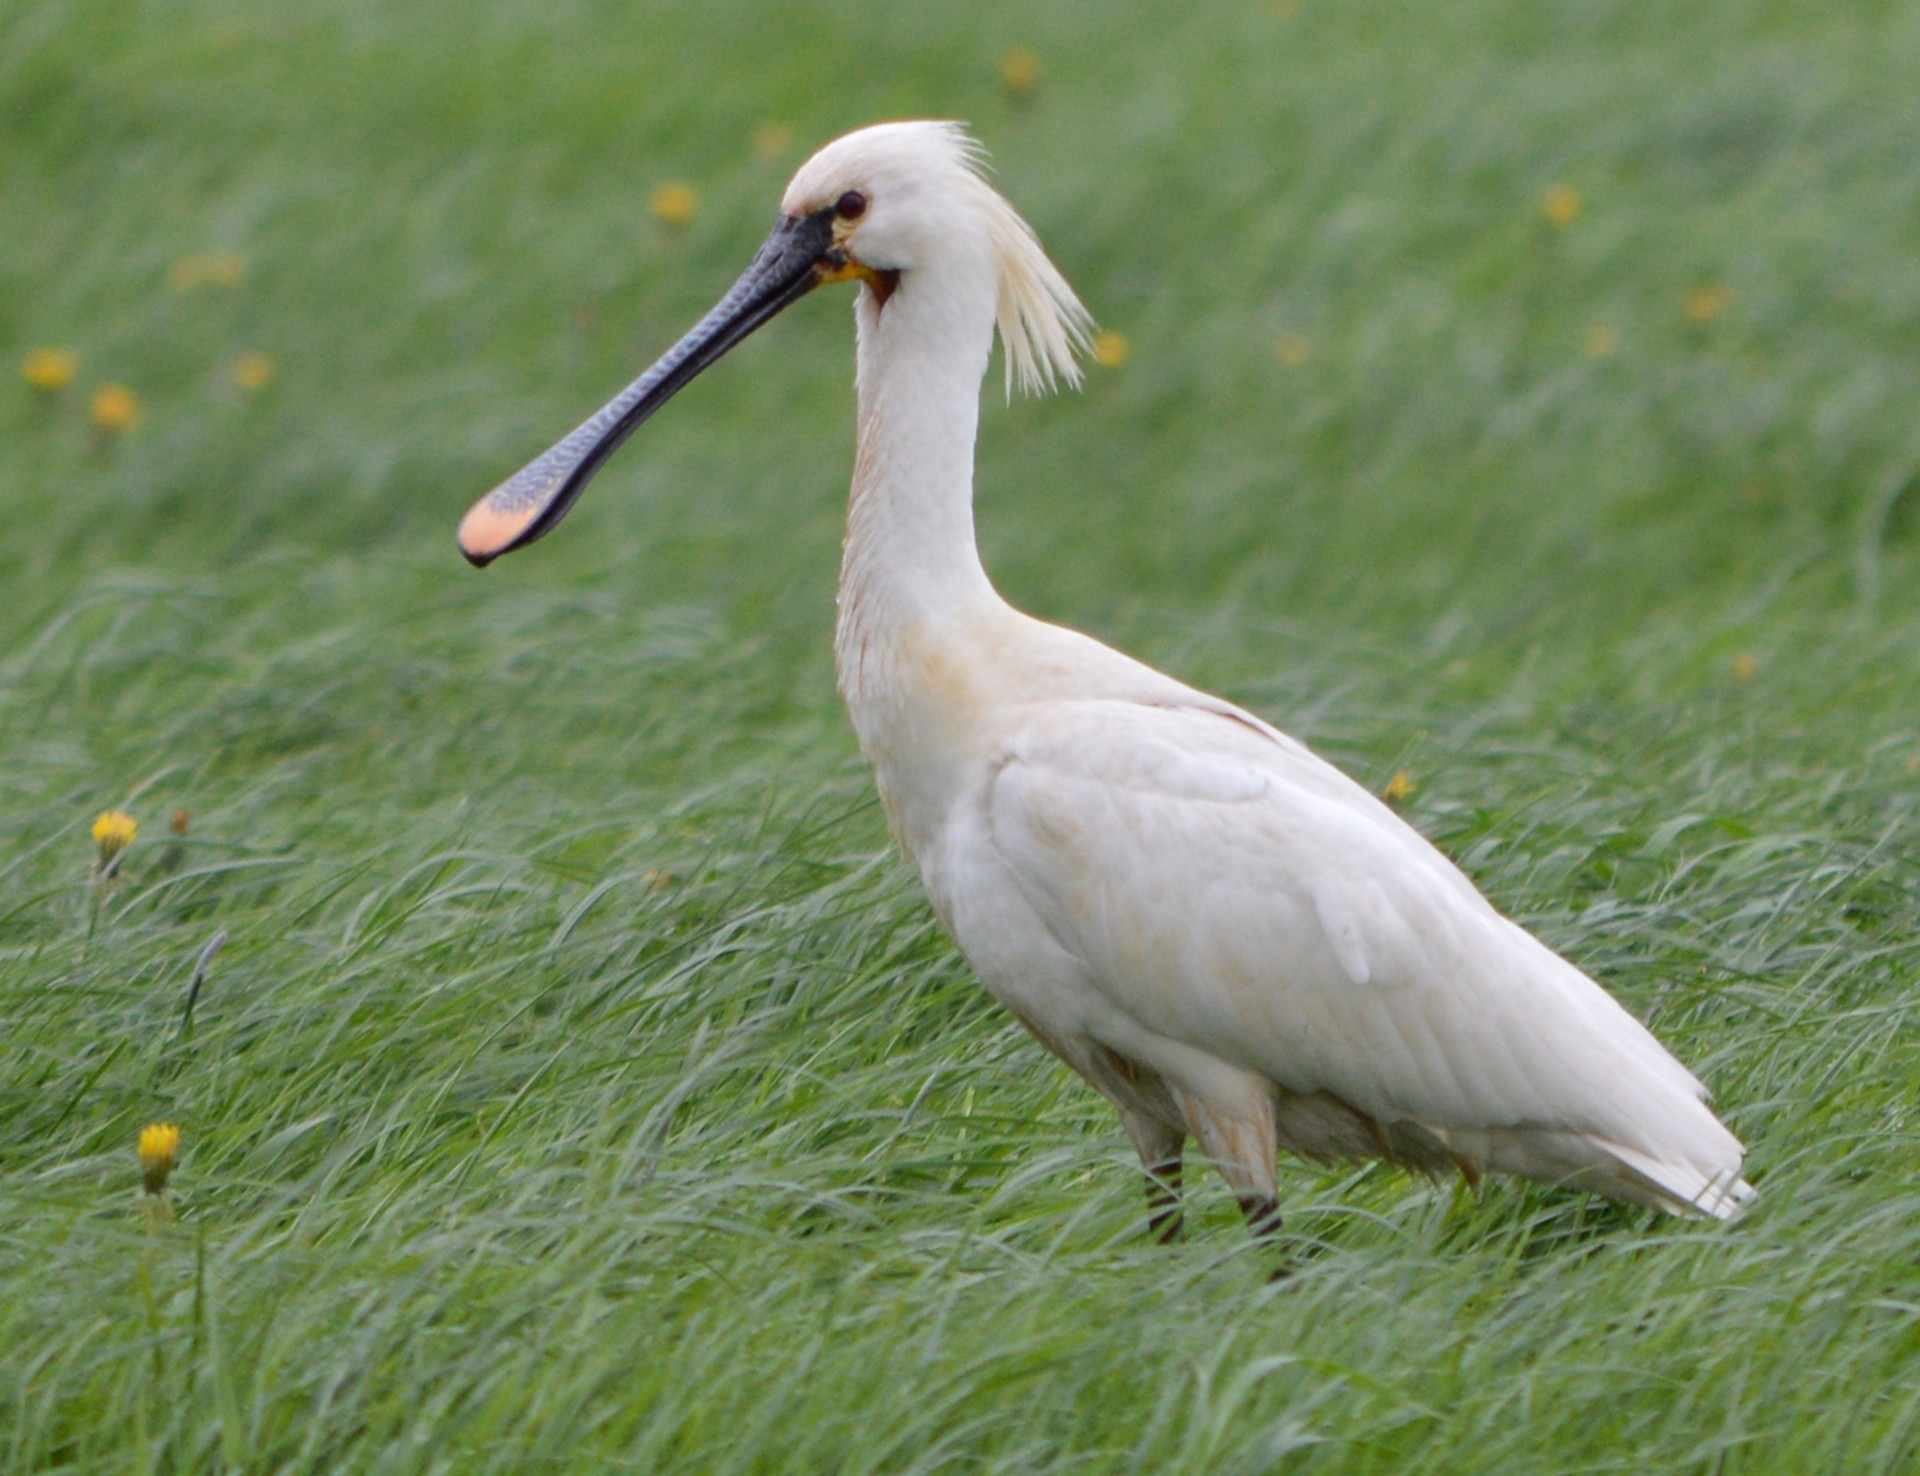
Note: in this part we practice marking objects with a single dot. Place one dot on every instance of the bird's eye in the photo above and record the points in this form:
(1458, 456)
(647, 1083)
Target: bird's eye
(850, 206)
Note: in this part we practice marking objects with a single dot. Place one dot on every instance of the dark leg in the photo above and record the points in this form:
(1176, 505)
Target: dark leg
(1263, 1217)
(1160, 1148)
(1263, 1220)
(1164, 1220)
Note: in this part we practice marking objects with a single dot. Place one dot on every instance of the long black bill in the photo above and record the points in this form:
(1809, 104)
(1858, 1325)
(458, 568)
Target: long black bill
(529, 503)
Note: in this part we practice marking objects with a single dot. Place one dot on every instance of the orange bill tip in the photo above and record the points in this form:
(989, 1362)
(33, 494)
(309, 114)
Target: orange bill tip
(486, 532)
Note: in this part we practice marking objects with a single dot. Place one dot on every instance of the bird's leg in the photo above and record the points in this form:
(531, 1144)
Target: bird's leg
(1242, 1147)
(1160, 1148)
(1263, 1216)
(1165, 1222)
(1262, 1212)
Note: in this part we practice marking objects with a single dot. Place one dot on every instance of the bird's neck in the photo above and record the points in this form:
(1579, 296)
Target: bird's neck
(917, 612)
(910, 564)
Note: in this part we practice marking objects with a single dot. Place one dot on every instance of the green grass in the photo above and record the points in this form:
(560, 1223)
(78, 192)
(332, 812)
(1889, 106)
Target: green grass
(583, 1084)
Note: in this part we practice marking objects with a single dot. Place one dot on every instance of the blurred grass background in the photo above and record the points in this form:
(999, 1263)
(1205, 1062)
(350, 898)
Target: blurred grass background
(1520, 397)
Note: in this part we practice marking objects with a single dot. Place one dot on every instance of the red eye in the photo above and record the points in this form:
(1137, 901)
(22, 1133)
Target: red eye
(850, 206)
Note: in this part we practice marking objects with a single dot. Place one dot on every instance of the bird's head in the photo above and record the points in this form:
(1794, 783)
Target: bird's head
(893, 198)
(875, 206)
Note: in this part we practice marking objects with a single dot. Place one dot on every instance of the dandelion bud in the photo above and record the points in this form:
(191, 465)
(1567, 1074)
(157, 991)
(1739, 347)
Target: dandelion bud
(159, 1144)
(675, 203)
(50, 369)
(1020, 72)
(116, 408)
(113, 832)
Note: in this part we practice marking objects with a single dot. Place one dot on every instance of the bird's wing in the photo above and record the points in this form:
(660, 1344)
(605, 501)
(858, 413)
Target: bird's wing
(1227, 889)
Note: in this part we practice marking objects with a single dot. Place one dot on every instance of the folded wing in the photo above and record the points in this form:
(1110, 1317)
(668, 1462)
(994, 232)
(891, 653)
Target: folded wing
(1228, 890)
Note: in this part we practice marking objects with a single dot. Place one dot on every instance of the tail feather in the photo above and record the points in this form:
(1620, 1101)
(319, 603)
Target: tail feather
(1602, 1166)
(1683, 1189)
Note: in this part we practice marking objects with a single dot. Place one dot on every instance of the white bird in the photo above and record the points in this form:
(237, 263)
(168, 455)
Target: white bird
(1225, 935)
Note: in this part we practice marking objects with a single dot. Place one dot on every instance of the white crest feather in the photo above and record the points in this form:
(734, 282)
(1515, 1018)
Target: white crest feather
(1043, 327)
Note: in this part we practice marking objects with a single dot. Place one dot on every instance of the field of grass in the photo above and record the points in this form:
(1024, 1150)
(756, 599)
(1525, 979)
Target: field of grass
(1523, 397)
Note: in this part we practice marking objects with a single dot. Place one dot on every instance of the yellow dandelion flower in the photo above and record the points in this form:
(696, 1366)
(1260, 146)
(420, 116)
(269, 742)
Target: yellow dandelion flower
(1561, 206)
(771, 140)
(50, 368)
(1398, 788)
(1111, 350)
(115, 408)
(253, 371)
(1293, 349)
(1601, 341)
(159, 1147)
(674, 203)
(215, 268)
(1020, 71)
(1745, 665)
(113, 832)
(1706, 302)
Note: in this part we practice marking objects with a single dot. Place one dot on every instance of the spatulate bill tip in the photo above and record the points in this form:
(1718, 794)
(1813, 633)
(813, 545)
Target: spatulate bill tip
(486, 531)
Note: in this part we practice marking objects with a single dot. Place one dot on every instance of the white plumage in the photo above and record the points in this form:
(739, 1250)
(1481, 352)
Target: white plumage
(1224, 934)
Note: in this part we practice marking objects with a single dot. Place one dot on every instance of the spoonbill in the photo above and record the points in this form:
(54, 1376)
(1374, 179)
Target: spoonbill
(1225, 935)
